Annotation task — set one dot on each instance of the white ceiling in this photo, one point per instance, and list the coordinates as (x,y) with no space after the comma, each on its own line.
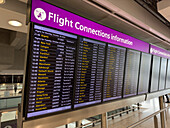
(164,8)
(25,1)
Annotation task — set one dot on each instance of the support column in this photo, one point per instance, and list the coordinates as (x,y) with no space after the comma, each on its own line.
(78,123)
(162,114)
(155,122)
(19,120)
(104,122)
(0,118)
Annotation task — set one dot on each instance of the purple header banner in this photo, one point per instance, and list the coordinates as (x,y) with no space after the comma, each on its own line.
(52,16)
(159,52)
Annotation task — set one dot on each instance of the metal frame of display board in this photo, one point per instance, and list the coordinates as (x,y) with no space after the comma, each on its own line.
(165,73)
(21,106)
(138,70)
(142,54)
(151,74)
(168,64)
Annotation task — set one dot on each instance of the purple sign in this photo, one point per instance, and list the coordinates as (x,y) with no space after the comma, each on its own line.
(159,52)
(52,16)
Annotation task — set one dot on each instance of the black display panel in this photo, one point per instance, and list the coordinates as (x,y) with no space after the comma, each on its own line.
(18,79)
(52,67)
(162,77)
(131,73)
(144,75)
(168,75)
(5,79)
(90,70)
(155,74)
(114,73)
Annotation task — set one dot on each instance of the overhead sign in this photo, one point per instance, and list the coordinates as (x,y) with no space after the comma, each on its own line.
(159,52)
(52,16)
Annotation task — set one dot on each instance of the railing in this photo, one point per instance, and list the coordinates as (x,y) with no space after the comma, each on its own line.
(154,115)
(9,102)
(149,117)
(92,123)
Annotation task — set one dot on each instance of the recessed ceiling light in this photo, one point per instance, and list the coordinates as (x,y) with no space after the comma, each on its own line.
(15,23)
(2,1)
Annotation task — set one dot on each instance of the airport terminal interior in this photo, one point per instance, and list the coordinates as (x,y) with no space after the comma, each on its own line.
(84,63)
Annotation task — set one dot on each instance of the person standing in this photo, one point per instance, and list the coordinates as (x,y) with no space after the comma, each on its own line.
(15,88)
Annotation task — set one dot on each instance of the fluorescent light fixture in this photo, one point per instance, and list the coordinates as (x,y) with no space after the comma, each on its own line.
(15,23)
(2,1)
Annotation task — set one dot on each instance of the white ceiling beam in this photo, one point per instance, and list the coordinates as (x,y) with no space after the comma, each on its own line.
(164,8)
(25,1)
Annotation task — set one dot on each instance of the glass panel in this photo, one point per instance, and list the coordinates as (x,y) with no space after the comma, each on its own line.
(13,102)
(2,103)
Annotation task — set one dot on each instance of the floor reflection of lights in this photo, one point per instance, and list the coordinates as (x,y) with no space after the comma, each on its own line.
(7,116)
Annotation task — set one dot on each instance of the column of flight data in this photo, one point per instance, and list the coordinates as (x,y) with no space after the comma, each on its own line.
(89,72)
(52,71)
(114,72)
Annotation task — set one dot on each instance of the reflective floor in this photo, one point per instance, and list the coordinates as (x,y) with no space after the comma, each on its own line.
(8,90)
(7,116)
(147,108)
(9,93)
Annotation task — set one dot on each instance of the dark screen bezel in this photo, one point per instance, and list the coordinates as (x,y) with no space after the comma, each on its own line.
(27,77)
(151,91)
(140,74)
(137,73)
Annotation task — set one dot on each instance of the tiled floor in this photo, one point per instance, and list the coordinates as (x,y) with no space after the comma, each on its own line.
(147,108)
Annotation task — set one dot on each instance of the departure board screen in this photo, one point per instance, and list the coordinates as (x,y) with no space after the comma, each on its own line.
(162,77)
(91,55)
(168,75)
(131,73)
(18,79)
(114,73)
(144,73)
(5,79)
(155,74)
(52,67)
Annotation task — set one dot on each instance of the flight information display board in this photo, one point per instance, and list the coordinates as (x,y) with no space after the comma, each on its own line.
(162,77)
(131,73)
(5,79)
(168,75)
(144,75)
(18,79)
(114,73)
(52,67)
(91,55)
(155,74)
